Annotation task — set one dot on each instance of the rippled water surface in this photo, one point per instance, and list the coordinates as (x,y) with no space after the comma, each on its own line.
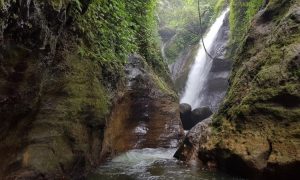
(152,164)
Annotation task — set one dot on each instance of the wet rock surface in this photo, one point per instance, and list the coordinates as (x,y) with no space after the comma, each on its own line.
(255,134)
(190,118)
(39,139)
(200,114)
(198,135)
(54,103)
(185,115)
(144,117)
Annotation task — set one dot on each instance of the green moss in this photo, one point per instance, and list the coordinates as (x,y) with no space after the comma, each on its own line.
(44,159)
(59,4)
(163,86)
(4,4)
(220,5)
(182,17)
(240,112)
(85,89)
(265,81)
(241,15)
(270,75)
(1,4)
(279,113)
(114,29)
(74,102)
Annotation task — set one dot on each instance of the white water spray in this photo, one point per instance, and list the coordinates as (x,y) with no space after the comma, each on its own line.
(201,67)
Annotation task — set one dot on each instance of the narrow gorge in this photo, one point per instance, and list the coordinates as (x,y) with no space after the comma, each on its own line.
(135,89)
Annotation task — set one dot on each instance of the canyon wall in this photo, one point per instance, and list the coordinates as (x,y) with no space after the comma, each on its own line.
(255,133)
(62,73)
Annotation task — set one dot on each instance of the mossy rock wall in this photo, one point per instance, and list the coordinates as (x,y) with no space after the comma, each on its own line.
(61,65)
(241,15)
(256,131)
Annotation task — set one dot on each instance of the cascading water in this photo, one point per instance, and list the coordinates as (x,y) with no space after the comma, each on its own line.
(201,67)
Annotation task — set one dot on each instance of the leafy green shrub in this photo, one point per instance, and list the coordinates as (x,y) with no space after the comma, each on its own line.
(182,16)
(112,30)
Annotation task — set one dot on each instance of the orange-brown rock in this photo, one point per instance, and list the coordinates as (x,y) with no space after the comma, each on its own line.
(145,116)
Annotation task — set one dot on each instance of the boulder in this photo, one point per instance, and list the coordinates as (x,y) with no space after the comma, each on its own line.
(185,116)
(185,108)
(189,148)
(200,114)
(185,113)
(190,118)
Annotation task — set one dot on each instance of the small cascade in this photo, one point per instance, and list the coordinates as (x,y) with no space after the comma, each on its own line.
(202,65)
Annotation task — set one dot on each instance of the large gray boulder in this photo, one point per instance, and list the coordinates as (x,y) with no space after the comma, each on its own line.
(200,114)
(185,115)
(198,135)
(190,118)
(185,110)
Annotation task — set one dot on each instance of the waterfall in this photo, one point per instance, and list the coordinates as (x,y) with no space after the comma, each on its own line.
(202,65)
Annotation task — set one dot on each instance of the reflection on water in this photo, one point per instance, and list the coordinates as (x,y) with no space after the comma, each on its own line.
(151,164)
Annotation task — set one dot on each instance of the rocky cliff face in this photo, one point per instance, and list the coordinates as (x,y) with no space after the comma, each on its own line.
(56,96)
(180,69)
(256,132)
(146,114)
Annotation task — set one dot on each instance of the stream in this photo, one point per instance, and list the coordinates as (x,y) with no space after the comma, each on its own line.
(151,164)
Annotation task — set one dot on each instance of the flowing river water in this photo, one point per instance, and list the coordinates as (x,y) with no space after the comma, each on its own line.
(151,164)
(159,163)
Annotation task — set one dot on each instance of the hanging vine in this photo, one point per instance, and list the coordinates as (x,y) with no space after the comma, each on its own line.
(201,33)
